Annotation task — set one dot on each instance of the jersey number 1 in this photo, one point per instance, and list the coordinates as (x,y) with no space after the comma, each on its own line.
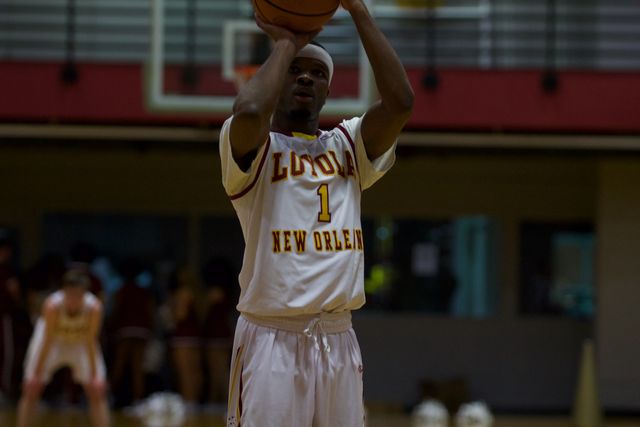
(324,215)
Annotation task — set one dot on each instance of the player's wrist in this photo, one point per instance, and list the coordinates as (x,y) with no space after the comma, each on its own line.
(354,6)
(34,380)
(286,45)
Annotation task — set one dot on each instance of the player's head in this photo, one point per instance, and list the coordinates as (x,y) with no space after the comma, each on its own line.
(307,84)
(74,285)
(315,50)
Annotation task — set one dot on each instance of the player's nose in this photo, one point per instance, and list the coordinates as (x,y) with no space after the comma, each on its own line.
(304,79)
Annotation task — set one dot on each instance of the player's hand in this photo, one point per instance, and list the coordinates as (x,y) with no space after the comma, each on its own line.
(96,387)
(32,386)
(276,32)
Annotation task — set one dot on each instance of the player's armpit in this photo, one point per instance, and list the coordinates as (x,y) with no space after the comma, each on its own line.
(380,129)
(246,135)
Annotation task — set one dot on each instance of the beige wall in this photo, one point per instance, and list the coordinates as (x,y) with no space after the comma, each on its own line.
(618,322)
(41,180)
(511,361)
(113,181)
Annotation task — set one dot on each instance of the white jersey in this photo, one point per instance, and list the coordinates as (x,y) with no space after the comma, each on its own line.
(68,345)
(72,329)
(299,209)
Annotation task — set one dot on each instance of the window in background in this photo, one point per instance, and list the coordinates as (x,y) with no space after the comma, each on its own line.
(119,235)
(221,236)
(159,243)
(557,269)
(446,266)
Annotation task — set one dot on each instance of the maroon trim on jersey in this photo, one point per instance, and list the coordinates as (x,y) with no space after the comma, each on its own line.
(262,160)
(353,146)
(240,396)
(353,149)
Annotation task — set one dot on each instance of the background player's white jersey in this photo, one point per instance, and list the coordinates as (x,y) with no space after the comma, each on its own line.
(299,209)
(72,329)
(68,346)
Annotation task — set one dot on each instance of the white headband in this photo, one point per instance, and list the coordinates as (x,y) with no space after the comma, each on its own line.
(316,52)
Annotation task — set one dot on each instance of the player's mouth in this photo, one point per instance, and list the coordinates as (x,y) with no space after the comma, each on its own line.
(303,96)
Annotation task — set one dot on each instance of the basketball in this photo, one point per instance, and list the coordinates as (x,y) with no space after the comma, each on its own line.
(301,16)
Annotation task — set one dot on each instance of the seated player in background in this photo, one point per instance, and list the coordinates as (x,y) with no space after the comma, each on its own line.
(66,334)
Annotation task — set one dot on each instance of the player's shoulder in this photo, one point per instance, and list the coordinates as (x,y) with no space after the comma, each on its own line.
(54,299)
(347,127)
(92,302)
(52,304)
(345,131)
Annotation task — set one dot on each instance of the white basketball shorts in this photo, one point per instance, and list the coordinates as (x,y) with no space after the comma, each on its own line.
(295,372)
(61,354)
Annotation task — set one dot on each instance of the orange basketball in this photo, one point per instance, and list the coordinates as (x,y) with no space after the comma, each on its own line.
(301,16)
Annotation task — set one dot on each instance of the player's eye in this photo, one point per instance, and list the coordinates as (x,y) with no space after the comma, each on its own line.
(294,69)
(319,73)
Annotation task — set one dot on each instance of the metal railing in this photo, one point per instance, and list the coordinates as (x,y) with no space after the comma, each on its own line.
(587,34)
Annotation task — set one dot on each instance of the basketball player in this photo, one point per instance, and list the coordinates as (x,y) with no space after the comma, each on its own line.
(67,335)
(296,190)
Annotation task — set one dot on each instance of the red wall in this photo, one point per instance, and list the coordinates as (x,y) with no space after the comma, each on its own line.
(465,100)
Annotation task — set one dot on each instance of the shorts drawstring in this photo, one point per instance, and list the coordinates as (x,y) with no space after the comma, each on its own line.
(315,329)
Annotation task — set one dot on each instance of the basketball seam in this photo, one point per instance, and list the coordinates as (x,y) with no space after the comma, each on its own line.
(309,15)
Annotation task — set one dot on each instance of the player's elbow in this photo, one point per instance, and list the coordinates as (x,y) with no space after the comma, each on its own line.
(404,102)
(245,108)
(400,105)
(248,111)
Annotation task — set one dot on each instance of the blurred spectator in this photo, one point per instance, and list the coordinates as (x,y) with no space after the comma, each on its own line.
(185,337)
(9,300)
(131,322)
(41,279)
(221,286)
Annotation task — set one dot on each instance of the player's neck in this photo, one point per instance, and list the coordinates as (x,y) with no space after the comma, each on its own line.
(73,313)
(288,125)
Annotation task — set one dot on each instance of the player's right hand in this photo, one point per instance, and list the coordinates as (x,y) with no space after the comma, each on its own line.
(276,32)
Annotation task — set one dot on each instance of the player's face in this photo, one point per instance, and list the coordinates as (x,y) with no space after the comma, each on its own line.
(73,298)
(306,88)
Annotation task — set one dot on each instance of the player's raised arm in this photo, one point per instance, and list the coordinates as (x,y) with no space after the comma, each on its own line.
(257,99)
(385,119)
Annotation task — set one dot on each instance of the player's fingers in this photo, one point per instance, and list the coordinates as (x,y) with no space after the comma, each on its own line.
(302,39)
(259,20)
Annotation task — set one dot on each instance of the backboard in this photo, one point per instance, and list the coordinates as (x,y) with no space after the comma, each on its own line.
(199,48)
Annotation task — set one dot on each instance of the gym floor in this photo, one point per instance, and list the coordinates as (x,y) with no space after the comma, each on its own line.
(77,418)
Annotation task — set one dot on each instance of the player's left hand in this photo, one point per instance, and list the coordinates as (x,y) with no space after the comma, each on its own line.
(277,33)
(96,387)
